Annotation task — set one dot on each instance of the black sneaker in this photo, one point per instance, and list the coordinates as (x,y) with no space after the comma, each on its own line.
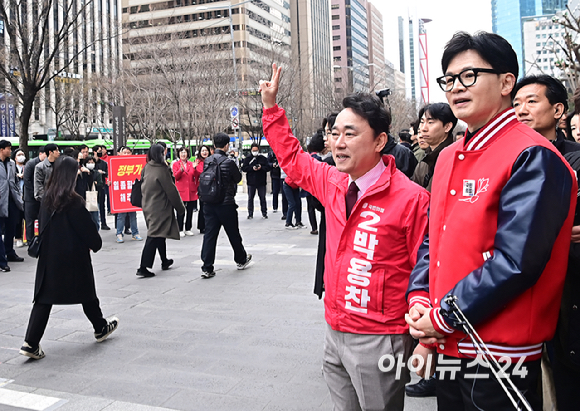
(265,216)
(424,388)
(244,265)
(250,217)
(300,225)
(207,274)
(128,232)
(167,264)
(290,226)
(105,227)
(283,217)
(34,353)
(144,272)
(14,258)
(4,268)
(112,324)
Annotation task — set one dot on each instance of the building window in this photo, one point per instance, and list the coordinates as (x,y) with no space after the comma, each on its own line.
(338,58)
(335,6)
(338,79)
(336,48)
(337,27)
(334,38)
(335,17)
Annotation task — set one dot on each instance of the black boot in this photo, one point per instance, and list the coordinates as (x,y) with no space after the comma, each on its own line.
(424,388)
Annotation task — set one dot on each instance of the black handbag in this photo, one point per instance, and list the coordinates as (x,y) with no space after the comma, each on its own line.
(34,247)
(136,196)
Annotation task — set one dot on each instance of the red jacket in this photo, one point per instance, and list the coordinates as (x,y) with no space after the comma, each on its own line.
(186,180)
(499,235)
(369,257)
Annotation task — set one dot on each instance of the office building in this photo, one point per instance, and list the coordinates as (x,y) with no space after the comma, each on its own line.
(312,57)
(414,56)
(507,20)
(376,41)
(350,45)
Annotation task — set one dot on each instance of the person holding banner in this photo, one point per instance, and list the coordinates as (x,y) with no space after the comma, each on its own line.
(159,200)
(121,217)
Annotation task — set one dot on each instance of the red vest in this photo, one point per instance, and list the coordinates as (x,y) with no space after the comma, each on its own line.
(463,222)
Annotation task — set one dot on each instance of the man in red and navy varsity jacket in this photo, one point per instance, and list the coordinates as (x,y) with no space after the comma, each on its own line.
(376,219)
(501,214)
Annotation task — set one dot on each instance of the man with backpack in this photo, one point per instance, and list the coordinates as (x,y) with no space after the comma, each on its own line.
(217,189)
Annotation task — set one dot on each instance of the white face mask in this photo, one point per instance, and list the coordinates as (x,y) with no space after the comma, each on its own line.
(90,166)
(20,159)
(255,153)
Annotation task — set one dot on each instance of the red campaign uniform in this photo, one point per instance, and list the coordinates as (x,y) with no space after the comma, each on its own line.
(370,256)
(186,180)
(485,232)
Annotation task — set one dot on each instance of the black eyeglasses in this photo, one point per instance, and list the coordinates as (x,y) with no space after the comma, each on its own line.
(467,77)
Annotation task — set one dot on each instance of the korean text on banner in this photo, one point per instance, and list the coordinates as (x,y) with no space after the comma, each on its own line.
(123,170)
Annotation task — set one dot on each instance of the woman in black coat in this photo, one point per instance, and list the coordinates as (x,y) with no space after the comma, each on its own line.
(68,234)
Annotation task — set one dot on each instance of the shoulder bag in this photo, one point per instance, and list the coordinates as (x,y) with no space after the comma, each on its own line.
(34,247)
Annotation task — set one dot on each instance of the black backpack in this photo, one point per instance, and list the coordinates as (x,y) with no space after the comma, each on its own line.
(211,187)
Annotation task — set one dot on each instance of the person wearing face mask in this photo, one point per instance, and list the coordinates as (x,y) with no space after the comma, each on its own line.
(20,160)
(102,168)
(256,168)
(31,205)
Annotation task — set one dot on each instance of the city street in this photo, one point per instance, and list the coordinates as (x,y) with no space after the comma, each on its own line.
(243,340)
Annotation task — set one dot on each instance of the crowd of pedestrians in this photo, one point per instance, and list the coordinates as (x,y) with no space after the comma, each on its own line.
(449,246)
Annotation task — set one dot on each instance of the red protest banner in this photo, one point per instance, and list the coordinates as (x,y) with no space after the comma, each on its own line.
(123,171)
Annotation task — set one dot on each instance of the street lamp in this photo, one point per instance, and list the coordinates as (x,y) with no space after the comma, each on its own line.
(229,6)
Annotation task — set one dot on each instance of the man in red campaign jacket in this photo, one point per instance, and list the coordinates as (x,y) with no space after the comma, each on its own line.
(376,219)
(501,214)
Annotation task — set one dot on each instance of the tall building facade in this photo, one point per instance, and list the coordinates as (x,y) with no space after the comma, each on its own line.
(88,56)
(542,46)
(241,36)
(507,20)
(350,45)
(376,41)
(312,57)
(413,52)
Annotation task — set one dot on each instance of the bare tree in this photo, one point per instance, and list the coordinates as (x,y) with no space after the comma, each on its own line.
(38,49)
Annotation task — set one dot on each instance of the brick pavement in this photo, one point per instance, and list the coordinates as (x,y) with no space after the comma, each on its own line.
(243,340)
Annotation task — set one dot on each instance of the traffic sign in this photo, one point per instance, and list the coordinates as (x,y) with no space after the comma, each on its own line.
(234,112)
(235,122)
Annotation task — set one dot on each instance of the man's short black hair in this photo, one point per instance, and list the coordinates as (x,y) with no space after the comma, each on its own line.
(50,147)
(329,120)
(317,141)
(441,112)
(42,149)
(220,140)
(4,144)
(492,47)
(82,147)
(369,107)
(404,135)
(254,145)
(555,90)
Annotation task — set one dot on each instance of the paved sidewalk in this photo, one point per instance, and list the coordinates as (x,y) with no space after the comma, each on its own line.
(243,340)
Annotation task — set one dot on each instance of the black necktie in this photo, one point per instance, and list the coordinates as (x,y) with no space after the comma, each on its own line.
(351,197)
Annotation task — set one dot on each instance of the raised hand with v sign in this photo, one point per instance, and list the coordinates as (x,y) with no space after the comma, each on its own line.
(269,89)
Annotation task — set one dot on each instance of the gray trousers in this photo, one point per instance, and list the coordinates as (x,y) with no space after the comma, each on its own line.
(351,370)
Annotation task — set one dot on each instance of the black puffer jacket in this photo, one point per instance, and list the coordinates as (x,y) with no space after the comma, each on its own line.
(256,177)
(404,158)
(230,175)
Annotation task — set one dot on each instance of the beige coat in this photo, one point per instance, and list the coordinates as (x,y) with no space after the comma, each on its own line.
(160,198)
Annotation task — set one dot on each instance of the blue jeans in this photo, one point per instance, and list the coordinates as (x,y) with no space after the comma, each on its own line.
(132,220)
(95,216)
(294,204)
